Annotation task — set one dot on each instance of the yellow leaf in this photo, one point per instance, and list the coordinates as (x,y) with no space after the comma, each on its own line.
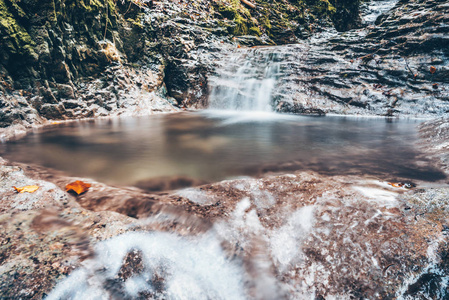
(78,187)
(26,189)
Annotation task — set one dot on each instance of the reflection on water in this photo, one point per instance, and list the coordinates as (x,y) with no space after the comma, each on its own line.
(211,146)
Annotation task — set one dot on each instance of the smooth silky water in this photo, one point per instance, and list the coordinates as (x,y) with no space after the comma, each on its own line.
(217,145)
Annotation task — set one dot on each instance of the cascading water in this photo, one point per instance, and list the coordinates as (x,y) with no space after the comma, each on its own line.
(246,81)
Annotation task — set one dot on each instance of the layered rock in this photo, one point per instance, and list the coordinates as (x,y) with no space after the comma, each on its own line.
(394,67)
(86,58)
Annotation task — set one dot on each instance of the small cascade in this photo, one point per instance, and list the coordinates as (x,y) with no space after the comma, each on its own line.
(371,10)
(246,80)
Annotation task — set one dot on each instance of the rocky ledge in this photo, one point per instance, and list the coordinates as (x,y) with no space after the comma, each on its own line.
(397,66)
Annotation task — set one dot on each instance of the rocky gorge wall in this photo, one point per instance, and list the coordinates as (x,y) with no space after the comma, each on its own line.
(396,64)
(85,58)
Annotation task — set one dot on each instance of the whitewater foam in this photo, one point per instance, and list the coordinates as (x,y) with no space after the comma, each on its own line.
(190,268)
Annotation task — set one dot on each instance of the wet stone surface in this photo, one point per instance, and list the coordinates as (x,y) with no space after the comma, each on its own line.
(299,232)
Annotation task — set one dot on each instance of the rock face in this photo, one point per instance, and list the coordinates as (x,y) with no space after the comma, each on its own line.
(80,59)
(389,68)
(395,67)
(86,58)
(74,59)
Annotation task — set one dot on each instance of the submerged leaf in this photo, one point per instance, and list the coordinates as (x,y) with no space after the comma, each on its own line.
(433,69)
(78,187)
(26,189)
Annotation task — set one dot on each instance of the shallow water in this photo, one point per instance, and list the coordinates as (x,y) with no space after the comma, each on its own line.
(211,146)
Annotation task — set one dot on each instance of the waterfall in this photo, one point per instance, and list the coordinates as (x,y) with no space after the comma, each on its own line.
(246,80)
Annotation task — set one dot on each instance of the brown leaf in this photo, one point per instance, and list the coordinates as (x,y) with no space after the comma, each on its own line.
(78,187)
(433,69)
(26,189)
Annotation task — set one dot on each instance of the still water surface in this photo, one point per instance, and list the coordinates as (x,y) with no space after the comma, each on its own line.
(212,146)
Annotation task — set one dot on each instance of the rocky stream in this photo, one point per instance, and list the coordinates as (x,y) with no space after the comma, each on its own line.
(234,149)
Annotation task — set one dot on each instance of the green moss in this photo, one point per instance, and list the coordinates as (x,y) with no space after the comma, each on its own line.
(266,22)
(322,8)
(91,5)
(254,31)
(136,22)
(241,16)
(16,9)
(240,28)
(16,38)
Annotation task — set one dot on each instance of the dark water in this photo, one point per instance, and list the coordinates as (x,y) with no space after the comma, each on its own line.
(214,146)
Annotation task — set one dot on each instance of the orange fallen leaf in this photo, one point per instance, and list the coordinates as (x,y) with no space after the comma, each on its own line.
(396,184)
(433,69)
(26,189)
(238,46)
(78,187)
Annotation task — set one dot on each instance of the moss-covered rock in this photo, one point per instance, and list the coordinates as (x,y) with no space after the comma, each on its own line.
(15,38)
(293,17)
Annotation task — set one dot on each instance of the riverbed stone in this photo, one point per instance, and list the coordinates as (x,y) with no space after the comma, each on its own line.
(386,241)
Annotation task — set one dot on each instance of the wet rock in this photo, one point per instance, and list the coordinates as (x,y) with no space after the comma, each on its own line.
(295,108)
(168,183)
(347,232)
(251,41)
(52,111)
(65,91)
(382,70)
(347,14)
(81,43)
(176,81)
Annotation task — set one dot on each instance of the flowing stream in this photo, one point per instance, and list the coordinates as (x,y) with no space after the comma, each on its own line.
(241,136)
